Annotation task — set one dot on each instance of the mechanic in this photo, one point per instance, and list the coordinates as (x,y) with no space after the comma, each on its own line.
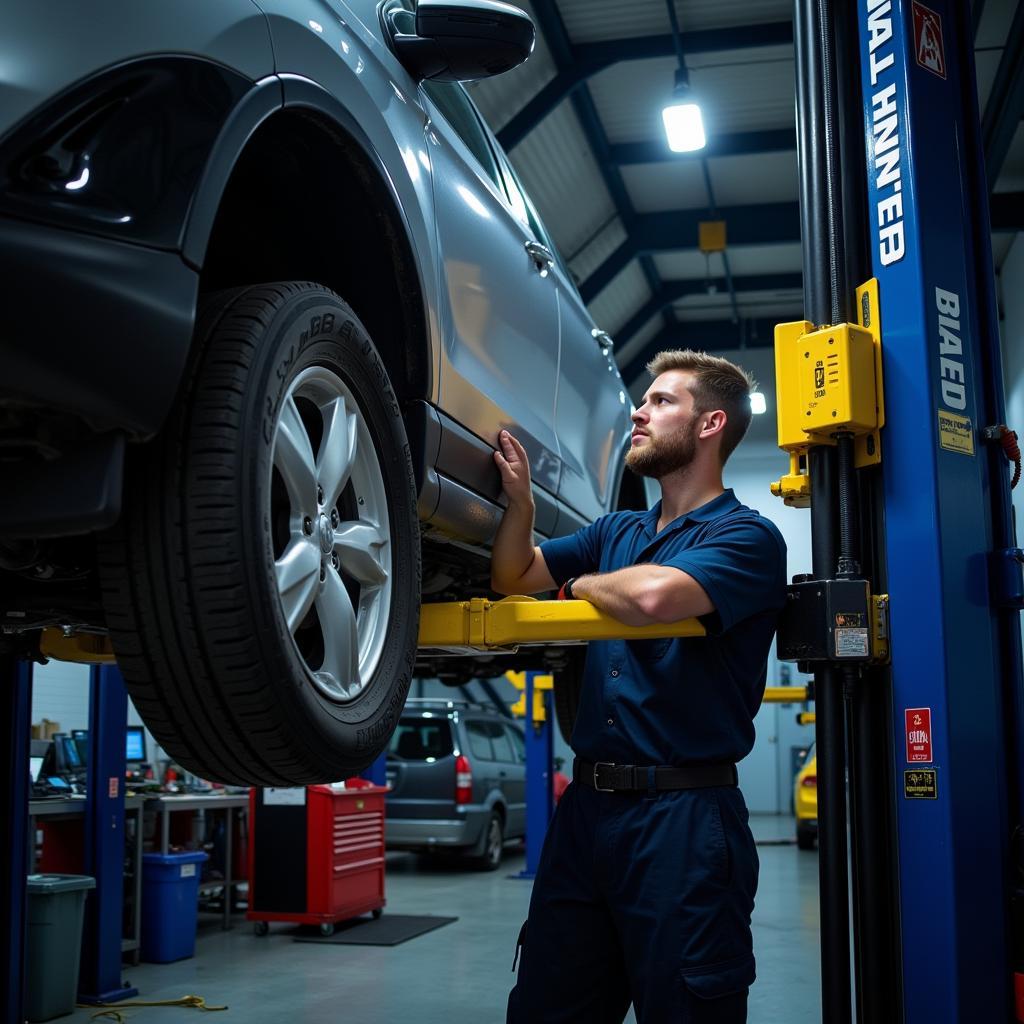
(646,883)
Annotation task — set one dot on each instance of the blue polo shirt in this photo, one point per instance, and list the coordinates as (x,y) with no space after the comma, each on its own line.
(680,700)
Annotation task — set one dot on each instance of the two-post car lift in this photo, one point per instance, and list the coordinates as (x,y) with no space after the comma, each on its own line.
(920,761)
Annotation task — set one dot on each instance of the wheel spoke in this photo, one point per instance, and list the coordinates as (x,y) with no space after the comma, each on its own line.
(341,638)
(293,457)
(337,450)
(298,576)
(360,549)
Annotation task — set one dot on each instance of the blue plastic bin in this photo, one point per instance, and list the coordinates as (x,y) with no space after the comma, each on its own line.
(170,905)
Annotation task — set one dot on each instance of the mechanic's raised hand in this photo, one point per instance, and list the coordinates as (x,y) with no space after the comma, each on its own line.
(514,467)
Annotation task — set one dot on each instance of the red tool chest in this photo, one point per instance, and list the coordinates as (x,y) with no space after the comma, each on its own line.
(316,854)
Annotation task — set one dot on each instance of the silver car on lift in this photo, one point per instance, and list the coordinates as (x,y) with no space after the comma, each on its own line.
(271,290)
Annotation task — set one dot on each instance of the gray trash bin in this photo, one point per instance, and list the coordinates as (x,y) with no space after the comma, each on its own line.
(56,907)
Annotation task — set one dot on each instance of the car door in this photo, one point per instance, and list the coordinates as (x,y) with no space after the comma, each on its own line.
(501,325)
(592,415)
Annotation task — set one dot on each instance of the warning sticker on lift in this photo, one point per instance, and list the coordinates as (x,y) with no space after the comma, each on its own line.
(930,52)
(918,723)
(852,643)
(956,433)
(921,784)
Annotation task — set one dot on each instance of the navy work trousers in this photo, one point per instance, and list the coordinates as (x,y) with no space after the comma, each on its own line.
(642,899)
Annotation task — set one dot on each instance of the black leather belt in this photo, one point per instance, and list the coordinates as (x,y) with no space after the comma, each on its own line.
(632,778)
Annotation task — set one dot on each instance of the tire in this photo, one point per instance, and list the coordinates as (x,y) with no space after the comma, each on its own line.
(260,928)
(225,559)
(493,845)
(805,835)
(327,929)
(568,689)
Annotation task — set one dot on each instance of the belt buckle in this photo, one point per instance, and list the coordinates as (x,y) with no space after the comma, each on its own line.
(605,764)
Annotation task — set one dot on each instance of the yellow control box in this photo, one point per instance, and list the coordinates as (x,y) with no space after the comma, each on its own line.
(821,380)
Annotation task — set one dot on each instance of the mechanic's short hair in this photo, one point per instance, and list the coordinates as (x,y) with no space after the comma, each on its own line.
(717,384)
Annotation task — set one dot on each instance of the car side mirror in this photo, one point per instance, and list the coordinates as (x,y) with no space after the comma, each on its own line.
(462,40)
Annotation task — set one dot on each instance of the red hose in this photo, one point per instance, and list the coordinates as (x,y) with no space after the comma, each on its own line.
(1008,439)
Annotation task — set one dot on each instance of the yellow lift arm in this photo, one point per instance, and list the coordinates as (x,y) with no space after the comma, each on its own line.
(463,627)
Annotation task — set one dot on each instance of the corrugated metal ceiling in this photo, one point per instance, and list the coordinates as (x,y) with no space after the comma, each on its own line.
(744,89)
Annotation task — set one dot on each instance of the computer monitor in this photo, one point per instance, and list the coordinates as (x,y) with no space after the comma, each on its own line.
(135,743)
(81,738)
(69,750)
(34,764)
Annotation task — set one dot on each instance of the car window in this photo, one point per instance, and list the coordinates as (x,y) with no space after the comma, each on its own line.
(421,739)
(479,736)
(524,209)
(518,743)
(453,103)
(502,744)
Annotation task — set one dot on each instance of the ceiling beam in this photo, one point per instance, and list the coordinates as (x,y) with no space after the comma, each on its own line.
(977,9)
(1005,102)
(735,144)
(674,291)
(1006,210)
(578,63)
(762,224)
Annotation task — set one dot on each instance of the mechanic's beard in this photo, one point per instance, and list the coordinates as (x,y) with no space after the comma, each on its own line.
(661,456)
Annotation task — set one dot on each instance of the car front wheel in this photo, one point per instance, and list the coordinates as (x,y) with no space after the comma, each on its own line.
(262,586)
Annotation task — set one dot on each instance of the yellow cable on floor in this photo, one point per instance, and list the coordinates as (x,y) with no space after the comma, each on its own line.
(112,1010)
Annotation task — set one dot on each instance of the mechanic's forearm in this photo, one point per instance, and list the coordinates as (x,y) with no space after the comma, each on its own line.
(512,552)
(623,594)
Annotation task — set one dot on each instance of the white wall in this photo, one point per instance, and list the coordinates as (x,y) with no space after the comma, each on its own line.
(60,692)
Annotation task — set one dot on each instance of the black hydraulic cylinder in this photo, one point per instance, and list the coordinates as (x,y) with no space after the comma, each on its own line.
(833,879)
(824,271)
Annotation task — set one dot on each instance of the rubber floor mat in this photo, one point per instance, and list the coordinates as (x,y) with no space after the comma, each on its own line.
(387,930)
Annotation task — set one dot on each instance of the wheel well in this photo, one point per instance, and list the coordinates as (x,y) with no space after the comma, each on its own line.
(305,203)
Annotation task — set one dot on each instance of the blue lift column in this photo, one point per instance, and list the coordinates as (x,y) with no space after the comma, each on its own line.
(100,973)
(956,677)
(540,801)
(15,718)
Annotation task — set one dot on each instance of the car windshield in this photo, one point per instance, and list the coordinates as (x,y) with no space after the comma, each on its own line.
(421,739)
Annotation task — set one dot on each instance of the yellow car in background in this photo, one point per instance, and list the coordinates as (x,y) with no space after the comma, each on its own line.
(805,801)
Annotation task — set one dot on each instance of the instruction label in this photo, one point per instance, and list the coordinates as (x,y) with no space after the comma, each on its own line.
(280,796)
(921,784)
(956,433)
(919,734)
(852,643)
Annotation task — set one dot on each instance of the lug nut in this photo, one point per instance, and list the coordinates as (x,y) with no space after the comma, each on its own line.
(320,495)
(323,573)
(307,526)
(334,561)
(334,518)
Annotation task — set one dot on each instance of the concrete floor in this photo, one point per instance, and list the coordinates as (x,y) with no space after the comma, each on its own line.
(461,973)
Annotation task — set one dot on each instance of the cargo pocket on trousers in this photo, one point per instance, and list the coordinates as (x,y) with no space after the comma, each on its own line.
(717,993)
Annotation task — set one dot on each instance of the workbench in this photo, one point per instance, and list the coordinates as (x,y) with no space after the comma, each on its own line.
(200,804)
(74,807)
